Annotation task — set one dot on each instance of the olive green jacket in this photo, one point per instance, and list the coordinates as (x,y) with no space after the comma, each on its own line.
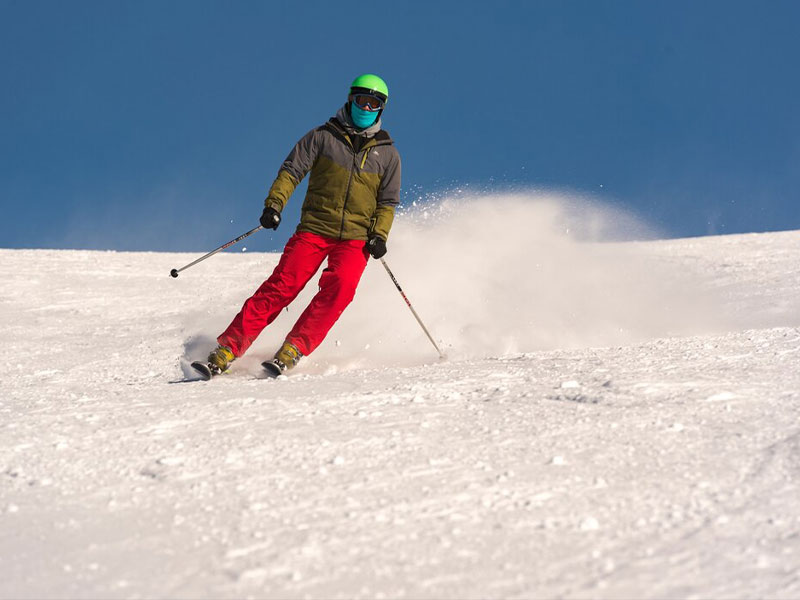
(351,194)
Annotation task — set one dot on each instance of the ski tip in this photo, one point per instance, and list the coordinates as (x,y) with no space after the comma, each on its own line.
(271,369)
(203,370)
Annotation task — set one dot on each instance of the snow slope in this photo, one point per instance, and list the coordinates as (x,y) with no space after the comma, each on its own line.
(615,420)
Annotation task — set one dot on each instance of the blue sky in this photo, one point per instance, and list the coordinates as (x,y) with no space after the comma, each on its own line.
(161,125)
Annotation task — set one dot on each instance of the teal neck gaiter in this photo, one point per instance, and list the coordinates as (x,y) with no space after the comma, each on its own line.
(362,118)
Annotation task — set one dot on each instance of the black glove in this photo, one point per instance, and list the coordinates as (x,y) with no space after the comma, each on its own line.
(376,246)
(270,218)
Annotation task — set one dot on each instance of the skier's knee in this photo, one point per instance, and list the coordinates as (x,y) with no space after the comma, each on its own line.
(335,282)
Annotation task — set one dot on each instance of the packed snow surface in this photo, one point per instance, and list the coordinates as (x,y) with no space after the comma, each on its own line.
(615,419)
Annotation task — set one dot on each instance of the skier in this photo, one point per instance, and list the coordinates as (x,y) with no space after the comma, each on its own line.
(346,217)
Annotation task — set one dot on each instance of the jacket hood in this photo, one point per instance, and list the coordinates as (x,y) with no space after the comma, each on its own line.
(343,116)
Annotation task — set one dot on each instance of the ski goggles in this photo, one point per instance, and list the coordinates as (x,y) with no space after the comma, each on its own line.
(367,102)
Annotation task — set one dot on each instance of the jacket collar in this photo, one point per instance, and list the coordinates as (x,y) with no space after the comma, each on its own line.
(343,117)
(381,138)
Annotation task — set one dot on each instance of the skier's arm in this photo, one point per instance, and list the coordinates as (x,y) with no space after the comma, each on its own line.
(292,171)
(388,198)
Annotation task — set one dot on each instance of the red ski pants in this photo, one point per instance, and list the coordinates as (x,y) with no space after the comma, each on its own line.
(301,258)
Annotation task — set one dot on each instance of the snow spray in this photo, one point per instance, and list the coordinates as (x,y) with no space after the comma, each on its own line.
(498,274)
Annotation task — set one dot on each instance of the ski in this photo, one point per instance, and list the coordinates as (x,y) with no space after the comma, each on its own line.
(204,369)
(272,368)
(207,371)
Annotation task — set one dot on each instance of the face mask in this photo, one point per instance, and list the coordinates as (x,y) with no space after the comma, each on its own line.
(362,118)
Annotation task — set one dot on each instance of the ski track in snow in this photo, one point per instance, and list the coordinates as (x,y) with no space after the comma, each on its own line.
(656,455)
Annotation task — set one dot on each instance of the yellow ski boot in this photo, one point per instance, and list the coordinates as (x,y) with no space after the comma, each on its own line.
(217,363)
(285,358)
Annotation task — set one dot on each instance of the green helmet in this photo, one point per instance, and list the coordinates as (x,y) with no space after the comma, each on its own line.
(370,84)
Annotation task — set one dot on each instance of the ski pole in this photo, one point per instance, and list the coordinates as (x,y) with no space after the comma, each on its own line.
(175,272)
(416,316)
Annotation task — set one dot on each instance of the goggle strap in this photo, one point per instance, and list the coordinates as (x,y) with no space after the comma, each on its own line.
(368,92)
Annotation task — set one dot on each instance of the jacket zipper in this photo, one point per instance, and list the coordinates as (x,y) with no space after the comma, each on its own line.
(350,181)
(347,193)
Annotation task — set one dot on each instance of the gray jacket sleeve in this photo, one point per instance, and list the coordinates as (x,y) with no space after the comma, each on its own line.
(292,171)
(302,156)
(388,197)
(389,192)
